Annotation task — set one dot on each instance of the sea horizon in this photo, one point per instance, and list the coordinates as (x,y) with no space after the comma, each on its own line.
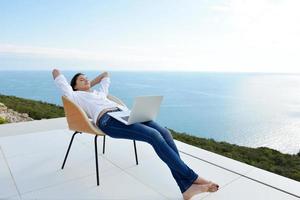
(164,70)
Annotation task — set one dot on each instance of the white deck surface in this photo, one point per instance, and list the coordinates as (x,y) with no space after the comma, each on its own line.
(31,155)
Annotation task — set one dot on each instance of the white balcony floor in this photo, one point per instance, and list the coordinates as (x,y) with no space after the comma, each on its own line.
(31,155)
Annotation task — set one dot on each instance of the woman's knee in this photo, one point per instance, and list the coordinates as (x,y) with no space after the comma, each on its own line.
(156,137)
(166,134)
(163,130)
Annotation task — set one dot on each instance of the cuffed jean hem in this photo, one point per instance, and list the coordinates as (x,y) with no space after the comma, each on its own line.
(185,187)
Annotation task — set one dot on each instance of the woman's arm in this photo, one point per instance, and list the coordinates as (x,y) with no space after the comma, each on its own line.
(99,78)
(62,83)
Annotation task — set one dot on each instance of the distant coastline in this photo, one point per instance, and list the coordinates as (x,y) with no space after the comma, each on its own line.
(265,158)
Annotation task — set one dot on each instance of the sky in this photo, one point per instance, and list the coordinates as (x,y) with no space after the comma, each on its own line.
(169,35)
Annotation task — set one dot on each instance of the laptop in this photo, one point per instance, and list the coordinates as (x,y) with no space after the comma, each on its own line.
(145,108)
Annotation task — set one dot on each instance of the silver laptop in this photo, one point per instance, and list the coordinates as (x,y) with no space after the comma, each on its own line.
(145,108)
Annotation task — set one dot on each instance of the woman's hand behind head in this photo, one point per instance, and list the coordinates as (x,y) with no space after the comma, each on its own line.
(55,73)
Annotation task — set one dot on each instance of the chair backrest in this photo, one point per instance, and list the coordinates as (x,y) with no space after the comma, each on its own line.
(78,120)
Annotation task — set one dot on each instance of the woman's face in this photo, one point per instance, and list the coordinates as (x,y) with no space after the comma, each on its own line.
(82,83)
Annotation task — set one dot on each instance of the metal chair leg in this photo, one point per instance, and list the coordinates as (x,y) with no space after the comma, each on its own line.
(136,158)
(96,153)
(69,149)
(96,158)
(103,151)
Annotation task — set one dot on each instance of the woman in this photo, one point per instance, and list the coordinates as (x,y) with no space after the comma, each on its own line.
(96,105)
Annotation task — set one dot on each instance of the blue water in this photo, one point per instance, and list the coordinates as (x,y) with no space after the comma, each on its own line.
(246,109)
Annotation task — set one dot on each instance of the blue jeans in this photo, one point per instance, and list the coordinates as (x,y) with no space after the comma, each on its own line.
(159,138)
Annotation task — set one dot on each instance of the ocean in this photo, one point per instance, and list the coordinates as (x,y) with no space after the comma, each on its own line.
(249,109)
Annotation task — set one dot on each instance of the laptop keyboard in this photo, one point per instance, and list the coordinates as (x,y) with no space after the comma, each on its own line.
(125,118)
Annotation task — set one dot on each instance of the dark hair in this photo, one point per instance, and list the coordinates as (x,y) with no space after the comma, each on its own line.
(74,79)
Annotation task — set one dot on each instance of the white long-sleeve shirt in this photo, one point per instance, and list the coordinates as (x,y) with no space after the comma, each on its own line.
(91,102)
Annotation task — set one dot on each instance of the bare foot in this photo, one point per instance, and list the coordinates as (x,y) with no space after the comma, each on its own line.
(195,189)
(213,187)
(202,181)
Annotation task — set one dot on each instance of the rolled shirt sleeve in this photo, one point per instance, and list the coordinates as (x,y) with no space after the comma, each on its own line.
(63,85)
(104,85)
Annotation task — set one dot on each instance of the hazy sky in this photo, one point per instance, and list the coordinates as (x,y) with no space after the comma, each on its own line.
(200,35)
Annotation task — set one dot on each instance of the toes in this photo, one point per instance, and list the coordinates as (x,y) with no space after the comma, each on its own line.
(213,187)
(214,184)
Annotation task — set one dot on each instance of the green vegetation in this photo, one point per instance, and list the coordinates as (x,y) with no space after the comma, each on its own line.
(3,121)
(35,109)
(265,158)
(268,159)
